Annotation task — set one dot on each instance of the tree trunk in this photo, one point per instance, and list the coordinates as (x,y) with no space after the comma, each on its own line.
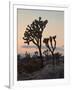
(53,58)
(41,57)
(53,61)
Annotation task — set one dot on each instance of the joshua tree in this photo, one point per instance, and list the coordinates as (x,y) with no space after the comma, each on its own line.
(34,32)
(46,52)
(49,44)
(27,55)
(36,53)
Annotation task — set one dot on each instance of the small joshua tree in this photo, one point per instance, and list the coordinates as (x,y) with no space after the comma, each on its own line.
(45,52)
(51,44)
(34,32)
(36,53)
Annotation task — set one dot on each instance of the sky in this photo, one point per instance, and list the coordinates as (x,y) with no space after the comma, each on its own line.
(55,26)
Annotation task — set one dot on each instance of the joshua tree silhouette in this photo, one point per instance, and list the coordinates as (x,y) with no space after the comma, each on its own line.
(34,32)
(51,44)
(46,52)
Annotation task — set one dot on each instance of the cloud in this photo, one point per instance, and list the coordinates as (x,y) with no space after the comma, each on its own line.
(43,47)
(30,46)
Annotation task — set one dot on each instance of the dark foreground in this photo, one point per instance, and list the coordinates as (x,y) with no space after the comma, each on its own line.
(32,70)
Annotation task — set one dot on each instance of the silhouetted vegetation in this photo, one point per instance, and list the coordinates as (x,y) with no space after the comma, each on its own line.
(51,45)
(34,32)
(28,64)
(40,65)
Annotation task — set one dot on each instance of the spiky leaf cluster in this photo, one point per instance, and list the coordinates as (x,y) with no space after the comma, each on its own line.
(50,43)
(34,31)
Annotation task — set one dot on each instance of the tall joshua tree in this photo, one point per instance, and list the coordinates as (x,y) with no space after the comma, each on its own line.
(51,44)
(34,32)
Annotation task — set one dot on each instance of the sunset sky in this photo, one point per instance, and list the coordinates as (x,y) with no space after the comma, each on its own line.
(55,26)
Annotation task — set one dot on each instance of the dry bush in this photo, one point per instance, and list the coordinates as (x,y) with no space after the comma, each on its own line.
(29,67)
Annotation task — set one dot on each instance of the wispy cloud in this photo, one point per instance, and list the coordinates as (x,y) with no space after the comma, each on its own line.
(43,47)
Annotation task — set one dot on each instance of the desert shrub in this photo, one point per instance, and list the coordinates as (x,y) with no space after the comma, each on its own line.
(32,66)
(19,68)
(29,67)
